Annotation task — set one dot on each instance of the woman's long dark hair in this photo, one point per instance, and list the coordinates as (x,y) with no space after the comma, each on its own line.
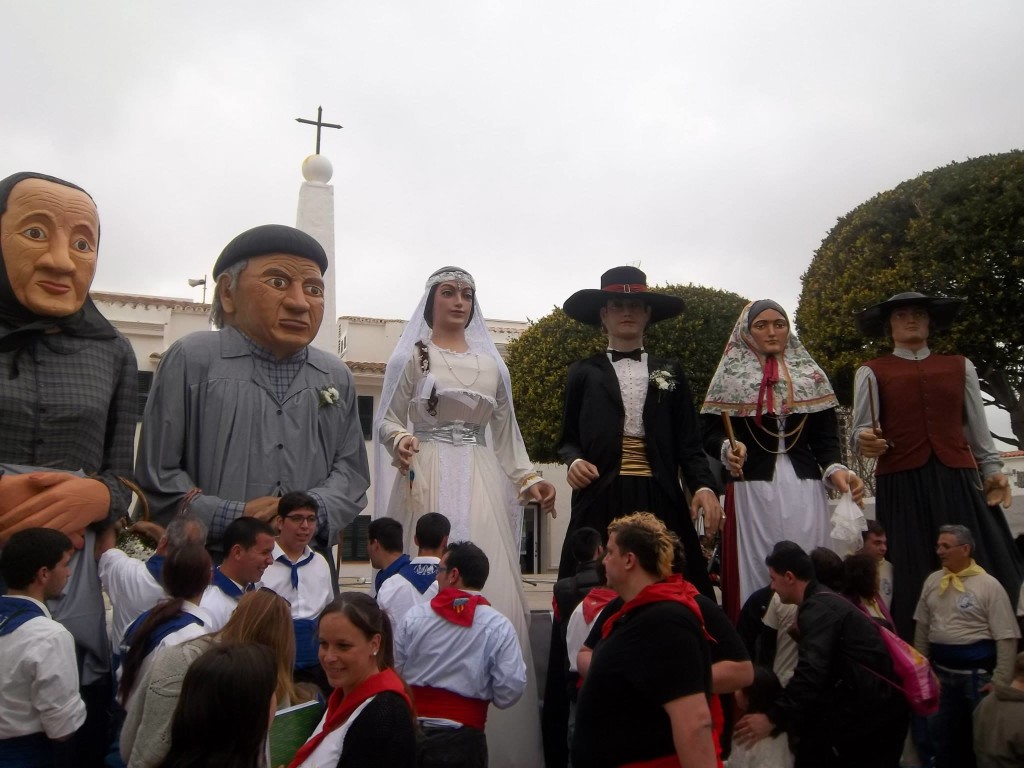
(221,717)
(186,574)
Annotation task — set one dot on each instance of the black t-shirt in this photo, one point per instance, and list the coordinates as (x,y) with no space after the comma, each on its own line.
(655,654)
(727,645)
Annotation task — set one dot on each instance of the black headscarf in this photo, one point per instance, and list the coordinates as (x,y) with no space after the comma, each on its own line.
(19,326)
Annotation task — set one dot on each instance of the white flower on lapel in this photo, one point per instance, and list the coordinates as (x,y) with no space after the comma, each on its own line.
(328,396)
(663,380)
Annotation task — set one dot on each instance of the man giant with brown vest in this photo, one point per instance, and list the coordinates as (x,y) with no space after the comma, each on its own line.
(921,415)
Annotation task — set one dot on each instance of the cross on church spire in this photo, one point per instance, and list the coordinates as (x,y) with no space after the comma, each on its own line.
(319,123)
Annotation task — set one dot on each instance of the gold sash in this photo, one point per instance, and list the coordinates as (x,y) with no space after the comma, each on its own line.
(634,458)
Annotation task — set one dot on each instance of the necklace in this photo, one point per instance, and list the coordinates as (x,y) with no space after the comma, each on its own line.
(782,436)
(451,370)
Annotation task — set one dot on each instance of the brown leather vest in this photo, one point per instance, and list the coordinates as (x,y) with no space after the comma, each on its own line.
(921,411)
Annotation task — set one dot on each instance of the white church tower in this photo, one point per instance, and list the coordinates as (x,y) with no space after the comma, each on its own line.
(316,217)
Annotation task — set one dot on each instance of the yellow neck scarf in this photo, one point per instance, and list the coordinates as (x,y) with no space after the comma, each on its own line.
(948,577)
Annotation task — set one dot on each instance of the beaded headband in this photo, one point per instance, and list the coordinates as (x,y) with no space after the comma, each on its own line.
(451,275)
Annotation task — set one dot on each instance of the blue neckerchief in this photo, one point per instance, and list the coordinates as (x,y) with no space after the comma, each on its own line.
(14,612)
(172,624)
(420,575)
(305,643)
(295,566)
(390,571)
(155,566)
(226,585)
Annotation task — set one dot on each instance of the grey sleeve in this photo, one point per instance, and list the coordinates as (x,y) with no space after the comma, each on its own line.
(161,456)
(343,491)
(976,426)
(865,387)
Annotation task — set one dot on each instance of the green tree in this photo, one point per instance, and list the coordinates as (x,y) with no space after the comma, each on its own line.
(539,359)
(954,231)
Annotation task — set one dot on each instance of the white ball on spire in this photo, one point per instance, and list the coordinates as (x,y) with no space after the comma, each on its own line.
(317,168)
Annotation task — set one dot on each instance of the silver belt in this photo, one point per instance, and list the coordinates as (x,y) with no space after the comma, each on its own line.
(453,432)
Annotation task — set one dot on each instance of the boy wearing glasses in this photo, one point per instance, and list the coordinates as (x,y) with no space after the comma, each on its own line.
(302,577)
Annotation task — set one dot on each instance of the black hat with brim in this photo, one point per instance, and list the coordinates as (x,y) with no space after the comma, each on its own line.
(617,283)
(267,239)
(941,312)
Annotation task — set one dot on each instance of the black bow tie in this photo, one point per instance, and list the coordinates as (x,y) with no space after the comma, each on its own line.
(632,355)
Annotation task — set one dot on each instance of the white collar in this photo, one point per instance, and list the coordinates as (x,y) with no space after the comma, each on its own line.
(419,559)
(910,354)
(46,611)
(278,552)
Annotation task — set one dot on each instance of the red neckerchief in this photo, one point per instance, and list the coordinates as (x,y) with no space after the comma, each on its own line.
(595,601)
(768,382)
(340,707)
(674,589)
(457,606)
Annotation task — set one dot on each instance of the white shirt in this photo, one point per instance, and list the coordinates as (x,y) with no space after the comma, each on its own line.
(315,589)
(177,637)
(328,752)
(981,612)
(781,617)
(885,582)
(131,588)
(634,382)
(219,605)
(482,661)
(39,680)
(397,594)
(576,634)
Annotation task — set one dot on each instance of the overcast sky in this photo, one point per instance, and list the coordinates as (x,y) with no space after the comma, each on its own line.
(534,143)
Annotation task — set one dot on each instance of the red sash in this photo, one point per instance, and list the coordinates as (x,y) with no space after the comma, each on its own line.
(595,602)
(668,761)
(674,589)
(457,606)
(443,704)
(340,707)
(768,381)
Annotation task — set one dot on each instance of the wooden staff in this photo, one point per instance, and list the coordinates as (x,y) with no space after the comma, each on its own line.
(871,405)
(727,423)
(875,426)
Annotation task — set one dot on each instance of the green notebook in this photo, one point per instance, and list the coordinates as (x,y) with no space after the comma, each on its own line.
(291,729)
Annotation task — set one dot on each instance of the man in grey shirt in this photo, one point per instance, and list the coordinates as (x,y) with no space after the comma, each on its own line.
(238,417)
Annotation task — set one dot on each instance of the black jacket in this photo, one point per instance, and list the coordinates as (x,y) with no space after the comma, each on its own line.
(838,687)
(592,427)
(811,452)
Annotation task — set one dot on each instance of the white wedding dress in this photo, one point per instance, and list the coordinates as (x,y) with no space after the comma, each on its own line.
(470,465)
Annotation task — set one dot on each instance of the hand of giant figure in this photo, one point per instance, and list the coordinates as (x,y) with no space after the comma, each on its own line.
(49,235)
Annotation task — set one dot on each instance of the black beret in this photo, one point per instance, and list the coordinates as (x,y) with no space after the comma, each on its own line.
(270,238)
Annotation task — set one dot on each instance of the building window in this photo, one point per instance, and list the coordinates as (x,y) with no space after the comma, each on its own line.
(354,541)
(145,384)
(1018,478)
(365,405)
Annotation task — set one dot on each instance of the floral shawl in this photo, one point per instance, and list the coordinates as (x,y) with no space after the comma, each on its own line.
(802,386)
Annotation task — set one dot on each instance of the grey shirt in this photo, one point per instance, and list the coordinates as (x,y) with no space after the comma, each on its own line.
(214,432)
(72,407)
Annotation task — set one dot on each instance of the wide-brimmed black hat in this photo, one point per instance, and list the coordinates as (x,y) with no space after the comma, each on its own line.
(618,282)
(941,311)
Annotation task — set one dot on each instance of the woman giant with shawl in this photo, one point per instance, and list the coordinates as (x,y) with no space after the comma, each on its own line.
(446,423)
(782,410)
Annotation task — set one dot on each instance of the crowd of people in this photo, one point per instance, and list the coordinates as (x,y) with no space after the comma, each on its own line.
(252,458)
